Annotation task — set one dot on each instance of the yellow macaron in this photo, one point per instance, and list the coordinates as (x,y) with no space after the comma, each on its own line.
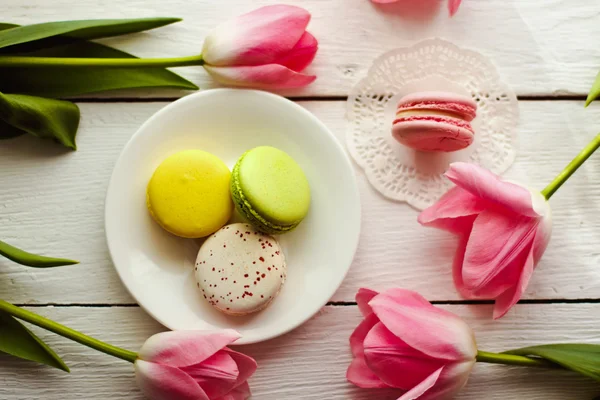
(188,195)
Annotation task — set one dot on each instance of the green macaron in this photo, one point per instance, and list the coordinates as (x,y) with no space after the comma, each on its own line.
(270,190)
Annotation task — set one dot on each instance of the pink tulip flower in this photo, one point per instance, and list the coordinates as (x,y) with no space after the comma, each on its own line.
(266,48)
(193,365)
(452,4)
(504,230)
(404,342)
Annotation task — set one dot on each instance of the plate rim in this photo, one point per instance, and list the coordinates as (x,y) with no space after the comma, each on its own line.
(341,149)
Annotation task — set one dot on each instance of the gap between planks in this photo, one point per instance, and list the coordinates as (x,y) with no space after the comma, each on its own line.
(296,98)
(332,303)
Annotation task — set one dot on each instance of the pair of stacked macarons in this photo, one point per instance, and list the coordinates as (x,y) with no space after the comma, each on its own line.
(240,267)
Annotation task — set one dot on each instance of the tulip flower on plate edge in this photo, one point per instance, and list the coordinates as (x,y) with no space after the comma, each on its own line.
(428,353)
(503,229)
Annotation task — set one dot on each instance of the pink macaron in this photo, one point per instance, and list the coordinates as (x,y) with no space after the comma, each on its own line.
(435,121)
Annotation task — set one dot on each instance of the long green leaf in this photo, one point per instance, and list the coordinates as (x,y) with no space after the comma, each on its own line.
(594,91)
(82,29)
(32,260)
(44,118)
(581,358)
(17,340)
(64,82)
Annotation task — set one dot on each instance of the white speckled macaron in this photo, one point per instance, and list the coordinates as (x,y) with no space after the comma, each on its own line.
(240,270)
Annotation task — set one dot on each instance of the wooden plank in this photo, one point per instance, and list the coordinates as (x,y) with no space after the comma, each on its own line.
(310,362)
(537,53)
(52,202)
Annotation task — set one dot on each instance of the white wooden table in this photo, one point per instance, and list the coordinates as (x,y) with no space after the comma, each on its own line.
(52,202)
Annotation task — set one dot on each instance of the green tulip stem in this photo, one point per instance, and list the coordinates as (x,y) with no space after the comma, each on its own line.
(571,168)
(59,62)
(69,333)
(510,359)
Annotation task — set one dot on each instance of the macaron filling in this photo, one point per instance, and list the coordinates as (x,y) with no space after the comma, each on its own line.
(426,112)
(465,107)
(429,117)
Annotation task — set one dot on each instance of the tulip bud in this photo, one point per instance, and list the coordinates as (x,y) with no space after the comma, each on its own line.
(266,48)
(404,342)
(183,365)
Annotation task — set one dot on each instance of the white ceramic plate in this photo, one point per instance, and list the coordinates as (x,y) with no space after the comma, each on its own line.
(157,267)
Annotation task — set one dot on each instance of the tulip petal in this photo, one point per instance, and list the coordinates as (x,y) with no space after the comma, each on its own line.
(487,186)
(384,1)
(453,6)
(431,330)
(217,375)
(270,76)
(422,388)
(395,362)
(246,365)
(454,212)
(360,333)
(457,266)
(359,374)
(494,254)
(183,348)
(510,297)
(262,36)
(163,382)
(302,54)
(451,380)
(542,235)
(241,392)
(363,297)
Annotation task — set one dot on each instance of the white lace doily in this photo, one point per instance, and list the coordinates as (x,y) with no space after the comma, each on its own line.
(403,174)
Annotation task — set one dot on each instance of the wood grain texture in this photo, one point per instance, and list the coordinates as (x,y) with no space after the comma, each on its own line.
(310,362)
(52,202)
(538,53)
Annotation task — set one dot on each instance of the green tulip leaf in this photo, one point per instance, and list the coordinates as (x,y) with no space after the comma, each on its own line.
(594,91)
(17,340)
(581,358)
(64,82)
(32,260)
(44,118)
(83,29)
